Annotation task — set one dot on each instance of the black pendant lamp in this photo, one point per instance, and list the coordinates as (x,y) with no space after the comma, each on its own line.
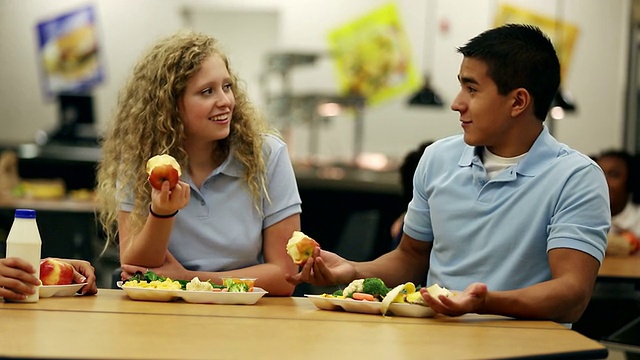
(425,96)
(562,103)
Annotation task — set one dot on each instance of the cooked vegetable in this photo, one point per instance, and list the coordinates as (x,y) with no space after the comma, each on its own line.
(397,294)
(354,286)
(375,287)
(149,276)
(238,287)
(363,296)
(408,293)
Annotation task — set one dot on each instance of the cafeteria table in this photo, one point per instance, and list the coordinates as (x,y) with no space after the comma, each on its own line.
(110,325)
(621,269)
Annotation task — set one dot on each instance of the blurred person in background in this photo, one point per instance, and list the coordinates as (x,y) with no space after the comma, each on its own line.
(621,171)
(613,305)
(407,170)
(236,204)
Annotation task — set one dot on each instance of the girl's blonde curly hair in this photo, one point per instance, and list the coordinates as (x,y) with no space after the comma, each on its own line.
(147,123)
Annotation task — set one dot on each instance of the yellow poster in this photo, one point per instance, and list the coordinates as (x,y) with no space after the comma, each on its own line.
(562,34)
(372,56)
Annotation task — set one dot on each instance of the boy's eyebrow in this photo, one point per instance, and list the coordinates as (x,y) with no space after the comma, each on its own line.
(467,80)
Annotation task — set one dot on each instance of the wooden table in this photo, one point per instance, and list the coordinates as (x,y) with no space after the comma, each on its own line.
(621,269)
(110,325)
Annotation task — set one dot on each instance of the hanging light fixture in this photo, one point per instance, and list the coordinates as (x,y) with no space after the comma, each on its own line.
(563,101)
(426,95)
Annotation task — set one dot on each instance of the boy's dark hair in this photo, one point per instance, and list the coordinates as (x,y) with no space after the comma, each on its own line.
(519,56)
(408,169)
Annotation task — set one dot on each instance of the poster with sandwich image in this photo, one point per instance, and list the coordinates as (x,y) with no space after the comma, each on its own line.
(68,50)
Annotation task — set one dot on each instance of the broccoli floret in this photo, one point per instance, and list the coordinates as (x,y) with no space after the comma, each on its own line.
(337,292)
(239,287)
(227,282)
(375,287)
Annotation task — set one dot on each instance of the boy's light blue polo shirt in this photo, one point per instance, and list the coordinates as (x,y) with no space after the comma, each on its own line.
(220,229)
(498,231)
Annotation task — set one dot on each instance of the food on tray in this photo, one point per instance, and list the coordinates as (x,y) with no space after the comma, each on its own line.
(375,290)
(397,294)
(152,280)
(374,287)
(238,284)
(196,285)
(161,168)
(55,272)
(408,293)
(166,284)
(300,247)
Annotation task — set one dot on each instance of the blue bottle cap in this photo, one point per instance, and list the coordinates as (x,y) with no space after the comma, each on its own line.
(25,213)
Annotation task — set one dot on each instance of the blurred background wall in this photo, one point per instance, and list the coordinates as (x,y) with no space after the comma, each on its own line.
(597,76)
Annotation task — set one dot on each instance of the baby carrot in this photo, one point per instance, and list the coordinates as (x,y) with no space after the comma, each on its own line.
(362,296)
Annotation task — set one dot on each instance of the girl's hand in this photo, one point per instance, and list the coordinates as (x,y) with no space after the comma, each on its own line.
(171,269)
(167,201)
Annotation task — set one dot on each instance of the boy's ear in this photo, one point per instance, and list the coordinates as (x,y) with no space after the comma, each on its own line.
(521,100)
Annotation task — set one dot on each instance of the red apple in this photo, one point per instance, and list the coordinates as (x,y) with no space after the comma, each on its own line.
(163,168)
(55,272)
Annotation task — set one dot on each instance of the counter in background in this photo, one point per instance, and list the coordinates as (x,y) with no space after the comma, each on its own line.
(348,209)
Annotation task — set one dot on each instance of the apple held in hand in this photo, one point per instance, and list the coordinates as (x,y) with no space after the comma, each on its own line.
(163,168)
(300,247)
(55,272)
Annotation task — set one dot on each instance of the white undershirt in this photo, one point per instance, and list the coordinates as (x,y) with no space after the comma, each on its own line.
(494,163)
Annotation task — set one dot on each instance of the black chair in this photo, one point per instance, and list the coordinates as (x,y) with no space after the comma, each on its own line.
(115,277)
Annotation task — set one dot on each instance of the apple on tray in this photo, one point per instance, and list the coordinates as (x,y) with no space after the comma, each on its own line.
(161,168)
(55,272)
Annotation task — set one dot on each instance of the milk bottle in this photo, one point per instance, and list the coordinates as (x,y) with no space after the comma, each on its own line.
(24,242)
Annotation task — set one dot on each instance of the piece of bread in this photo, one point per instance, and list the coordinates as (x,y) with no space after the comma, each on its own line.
(300,247)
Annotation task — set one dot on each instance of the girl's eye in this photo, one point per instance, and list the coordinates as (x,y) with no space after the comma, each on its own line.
(227,87)
(207,91)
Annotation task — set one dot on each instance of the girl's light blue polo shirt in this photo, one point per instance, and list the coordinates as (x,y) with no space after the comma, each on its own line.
(498,231)
(220,229)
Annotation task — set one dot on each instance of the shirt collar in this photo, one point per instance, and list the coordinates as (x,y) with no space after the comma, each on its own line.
(231,166)
(543,150)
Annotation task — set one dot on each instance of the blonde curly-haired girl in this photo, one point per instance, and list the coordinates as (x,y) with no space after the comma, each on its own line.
(236,203)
